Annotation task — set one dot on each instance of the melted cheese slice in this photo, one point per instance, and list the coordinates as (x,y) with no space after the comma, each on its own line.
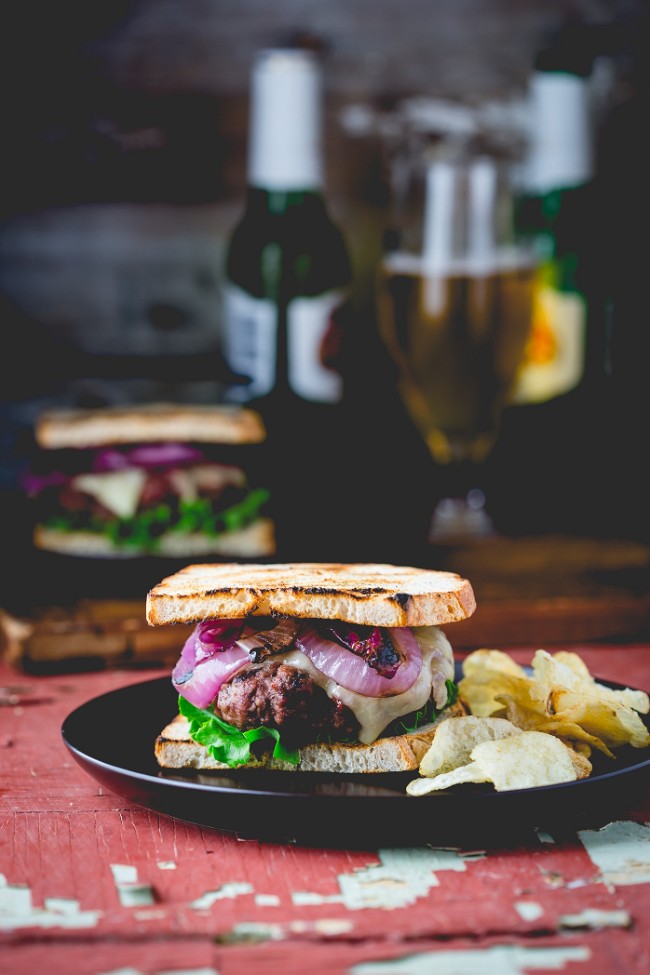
(188,481)
(119,491)
(374,713)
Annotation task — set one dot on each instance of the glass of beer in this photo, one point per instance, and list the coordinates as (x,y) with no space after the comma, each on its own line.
(454,311)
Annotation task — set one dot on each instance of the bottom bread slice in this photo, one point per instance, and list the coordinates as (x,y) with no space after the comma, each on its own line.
(401,753)
(253,541)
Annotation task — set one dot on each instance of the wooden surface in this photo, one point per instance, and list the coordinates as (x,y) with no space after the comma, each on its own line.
(93,884)
(541,591)
(549,589)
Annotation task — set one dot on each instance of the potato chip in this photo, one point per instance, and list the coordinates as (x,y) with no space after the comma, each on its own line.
(482,660)
(479,690)
(562,714)
(606,717)
(638,700)
(568,671)
(525,761)
(580,762)
(520,761)
(613,723)
(574,663)
(455,739)
(466,773)
(531,719)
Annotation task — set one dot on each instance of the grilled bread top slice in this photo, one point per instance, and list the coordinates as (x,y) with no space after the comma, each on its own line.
(148,423)
(362,593)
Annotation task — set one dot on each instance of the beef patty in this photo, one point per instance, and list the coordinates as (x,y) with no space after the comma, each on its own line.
(276,695)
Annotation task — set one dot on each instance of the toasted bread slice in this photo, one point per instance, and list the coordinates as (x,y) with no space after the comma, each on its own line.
(402,753)
(149,423)
(252,542)
(377,595)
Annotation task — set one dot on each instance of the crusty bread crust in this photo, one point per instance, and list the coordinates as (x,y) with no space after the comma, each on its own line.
(402,753)
(254,541)
(149,423)
(372,594)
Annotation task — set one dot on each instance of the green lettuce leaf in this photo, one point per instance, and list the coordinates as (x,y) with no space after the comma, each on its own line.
(200,516)
(226,743)
(143,530)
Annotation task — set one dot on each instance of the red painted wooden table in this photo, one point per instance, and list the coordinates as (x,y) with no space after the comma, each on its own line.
(91,883)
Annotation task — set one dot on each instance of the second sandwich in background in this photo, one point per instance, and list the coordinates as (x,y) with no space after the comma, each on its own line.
(158,479)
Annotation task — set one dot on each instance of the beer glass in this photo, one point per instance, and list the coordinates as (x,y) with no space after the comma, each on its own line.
(454,311)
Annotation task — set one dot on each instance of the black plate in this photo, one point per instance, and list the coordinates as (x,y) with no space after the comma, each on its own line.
(351,811)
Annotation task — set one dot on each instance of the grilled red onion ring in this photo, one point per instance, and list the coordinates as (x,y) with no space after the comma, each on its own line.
(218,649)
(146,455)
(351,670)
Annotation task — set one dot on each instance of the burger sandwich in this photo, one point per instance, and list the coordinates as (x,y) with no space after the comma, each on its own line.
(156,479)
(309,666)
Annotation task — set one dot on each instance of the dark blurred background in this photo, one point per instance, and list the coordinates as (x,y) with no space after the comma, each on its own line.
(125,132)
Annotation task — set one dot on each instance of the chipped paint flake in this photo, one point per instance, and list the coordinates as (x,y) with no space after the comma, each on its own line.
(61,905)
(332,927)
(498,960)
(136,895)
(306,898)
(267,900)
(156,914)
(18,911)
(252,932)
(544,837)
(228,891)
(14,898)
(596,920)
(399,880)
(621,851)
(529,910)
(130,891)
(124,873)
(166,865)
(576,884)
(401,877)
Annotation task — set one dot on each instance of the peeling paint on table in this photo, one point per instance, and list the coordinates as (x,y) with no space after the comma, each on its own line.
(620,851)
(95,885)
(17,910)
(507,960)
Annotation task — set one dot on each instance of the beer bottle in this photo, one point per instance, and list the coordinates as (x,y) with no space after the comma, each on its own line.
(286,283)
(548,430)
(553,209)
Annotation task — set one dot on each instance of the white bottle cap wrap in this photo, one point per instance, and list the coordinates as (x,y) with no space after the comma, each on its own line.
(285,123)
(560,151)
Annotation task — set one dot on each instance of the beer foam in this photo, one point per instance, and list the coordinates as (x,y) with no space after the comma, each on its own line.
(504,259)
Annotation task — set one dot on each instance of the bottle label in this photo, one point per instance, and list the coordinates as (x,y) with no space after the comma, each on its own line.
(313,344)
(249,342)
(553,361)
